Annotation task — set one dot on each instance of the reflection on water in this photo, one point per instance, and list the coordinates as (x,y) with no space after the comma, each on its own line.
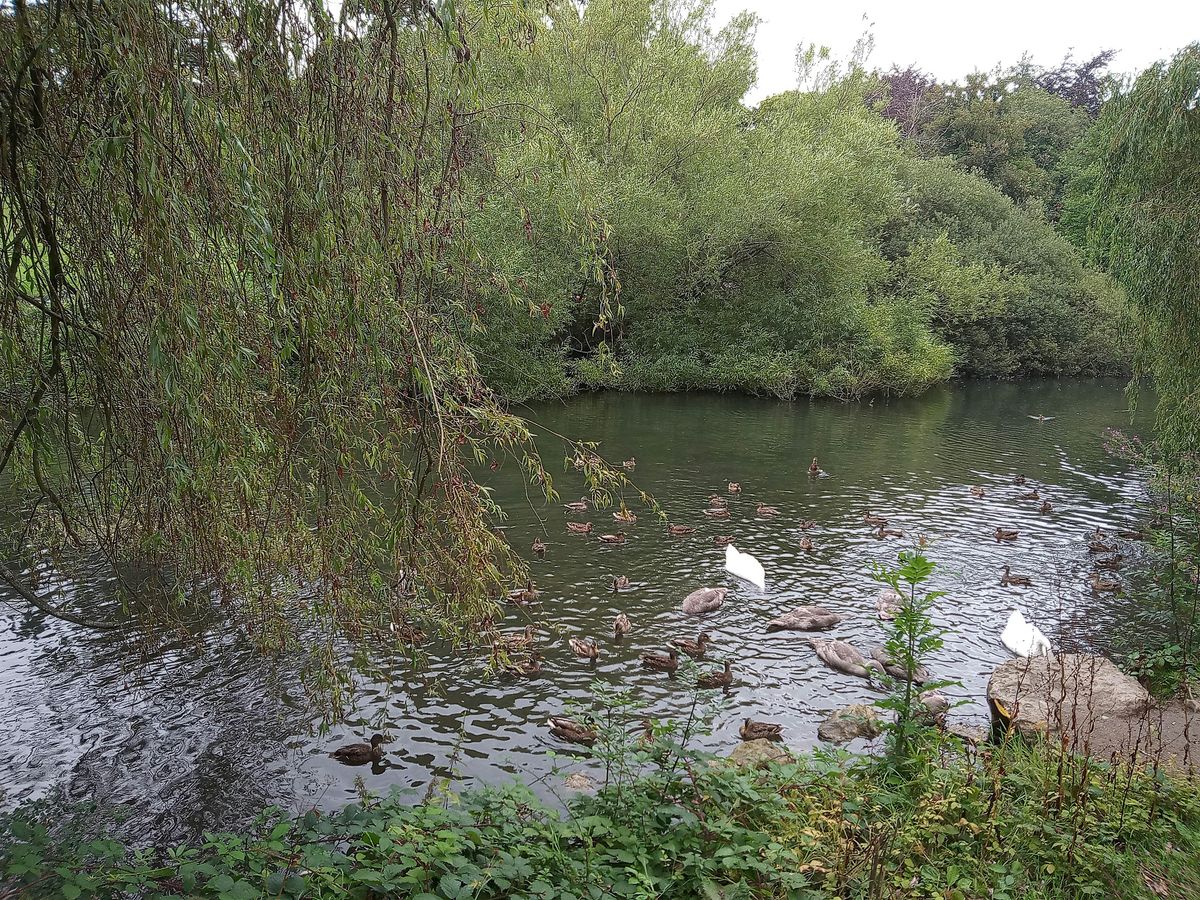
(203,737)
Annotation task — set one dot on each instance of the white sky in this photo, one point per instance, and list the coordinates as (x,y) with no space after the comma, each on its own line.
(950,39)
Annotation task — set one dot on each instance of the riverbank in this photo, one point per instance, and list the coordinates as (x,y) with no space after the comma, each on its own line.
(1010,821)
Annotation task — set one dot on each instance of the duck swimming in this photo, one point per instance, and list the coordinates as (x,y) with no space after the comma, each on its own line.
(805,618)
(1101,584)
(514,640)
(539,547)
(584,649)
(717,502)
(978,492)
(1029,495)
(618,538)
(882,532)
(680,530)
(695,649)
(580,505)
(767,512)
(1046,507)
(621,625)
(719,512)
(806,544)
(620,583)
(735,487)
(722,540)
(703,600)
(869,519)
(630,463)
(813,468)
(571,731)
(722,679)
(362,752)
(625,516)
(1010,580)
(579,527)
(760,731)
(1006,534)
(524,596)
(661,662)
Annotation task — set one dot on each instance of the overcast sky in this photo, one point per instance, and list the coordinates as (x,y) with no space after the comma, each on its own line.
(951,39)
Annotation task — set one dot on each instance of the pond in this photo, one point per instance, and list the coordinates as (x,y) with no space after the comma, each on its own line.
(200,739)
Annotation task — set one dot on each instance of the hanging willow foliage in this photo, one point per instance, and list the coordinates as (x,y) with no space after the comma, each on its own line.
(236,279)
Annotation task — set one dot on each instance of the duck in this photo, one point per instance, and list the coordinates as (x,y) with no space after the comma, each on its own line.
(620,583)
(934,706)
(844,657)
(1030,495)
(1131,534)
(585,649)
(618,538)
(1010,580)
(719,512)
(1101,547)
(869,519)
(722,540)
(1022,637)
(722,679)
(704,600)
(978,492)
(580,505)
(889,603)
(883,532)
(1100,584)
(361,752)
(1018,479)
(625,516)
(919,675)
(695,649)
(630,463)
(518,640)
(680,530)
(1006,534)
(571,731)
(745,566)
(621,625)
(409,633)
(1046,507)
(807,524)
(524,596)
(716,501)
(539,547)
(807,545)
(761,509)
(813,468)
(805,618)
(661,662)
(751,730)
(1097,534)
(579,527)
(1040,418)
(735,487)
(1109,563)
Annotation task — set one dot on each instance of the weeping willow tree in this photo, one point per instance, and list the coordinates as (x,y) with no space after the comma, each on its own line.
(236,293)
(1136,204)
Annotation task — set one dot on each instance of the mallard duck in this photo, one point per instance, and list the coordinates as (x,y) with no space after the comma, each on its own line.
(524,596)
(618,538)
(735,487)
(1006,534)
(1132,535)
(579,527)
(760,731)
(360,753)
(703,600)
(761,509)
(1010,580)
(920,674)
(539,547)
(883,532)
(522,668)
(1046,507)
(869,519)
(807,524)
(813,468)
(514,640)
(620,583)
(717,502)
(679,530)
(889,603)
(409,633)
(722,540)
(1018,479)
(584,649)
(717,513)
(1101,547)
(580,505)
(630,463)
(661,662)
(721,679)
(844,657)
(1097,534)
(1100,584)
(805,618)
(571,731)
(621,625)
(625,516)
(695,649)
(1109,563)
(807,545)
(1030,495)
(978,492)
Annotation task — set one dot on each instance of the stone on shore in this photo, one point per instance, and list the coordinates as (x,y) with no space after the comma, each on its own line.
(850,722)
(758,753)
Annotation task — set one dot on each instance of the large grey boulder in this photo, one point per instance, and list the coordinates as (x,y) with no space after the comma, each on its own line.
(757,753)
(850,722)
(1069,693)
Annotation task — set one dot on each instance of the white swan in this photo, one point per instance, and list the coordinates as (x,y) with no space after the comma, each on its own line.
(1023,638)
(743,565)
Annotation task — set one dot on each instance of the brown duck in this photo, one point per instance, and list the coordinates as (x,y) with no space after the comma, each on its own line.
(1006,534)
(719,512)
(580,505)
(1010,580)
(585,649)
(722,679)
(625,516)
(869,519)
(735,487)
(695,649)
(571,731)
(661,662)
(579,527)
(621,625)
(360,753)
(680,530)
(618,538)
(766,512)
(620,583)
(760,731)
(539,547)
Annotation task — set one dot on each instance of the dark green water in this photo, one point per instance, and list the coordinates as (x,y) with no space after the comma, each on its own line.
(194,740)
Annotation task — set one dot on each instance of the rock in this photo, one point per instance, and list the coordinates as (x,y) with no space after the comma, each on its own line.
(850,722)
(969,734)
(1068,693)
(579,781)
(758,753)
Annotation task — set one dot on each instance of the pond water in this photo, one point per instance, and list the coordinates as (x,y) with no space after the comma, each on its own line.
(200,739)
